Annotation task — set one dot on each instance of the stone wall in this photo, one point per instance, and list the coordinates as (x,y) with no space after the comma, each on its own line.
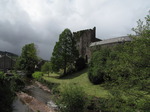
(84,38)
(88,43)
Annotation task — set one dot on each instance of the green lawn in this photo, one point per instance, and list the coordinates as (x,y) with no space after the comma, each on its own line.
(80,79)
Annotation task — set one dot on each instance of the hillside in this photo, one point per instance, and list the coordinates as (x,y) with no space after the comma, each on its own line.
(80,79)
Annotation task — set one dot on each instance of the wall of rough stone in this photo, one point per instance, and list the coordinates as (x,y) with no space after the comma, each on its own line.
(84,38)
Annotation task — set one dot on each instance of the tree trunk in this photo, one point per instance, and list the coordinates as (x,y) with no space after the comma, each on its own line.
(64,70)
(65,64)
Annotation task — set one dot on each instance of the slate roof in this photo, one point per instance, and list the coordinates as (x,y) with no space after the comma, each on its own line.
(111,41)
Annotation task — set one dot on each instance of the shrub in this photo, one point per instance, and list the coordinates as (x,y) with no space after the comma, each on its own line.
(72,99)
(8,87)
(96,76)
(125,101)
(97,66)
(37,75)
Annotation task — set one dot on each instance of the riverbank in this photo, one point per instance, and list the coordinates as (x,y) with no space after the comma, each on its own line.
(45,88)
(35,97)
(106,96)
(34,104)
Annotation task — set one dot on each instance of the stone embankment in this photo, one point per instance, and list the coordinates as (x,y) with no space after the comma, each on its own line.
(34,104)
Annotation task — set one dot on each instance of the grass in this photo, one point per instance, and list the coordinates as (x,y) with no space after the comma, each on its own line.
(81,79)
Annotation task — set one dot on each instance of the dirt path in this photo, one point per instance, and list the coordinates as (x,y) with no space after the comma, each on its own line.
(33,103)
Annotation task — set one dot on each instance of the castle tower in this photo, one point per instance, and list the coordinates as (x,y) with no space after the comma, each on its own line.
(84,38)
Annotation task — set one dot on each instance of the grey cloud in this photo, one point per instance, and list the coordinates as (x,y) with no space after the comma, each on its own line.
(41,21)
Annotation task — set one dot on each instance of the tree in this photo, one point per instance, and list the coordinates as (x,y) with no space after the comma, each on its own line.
(65,52)
(143,30)
(28,58)
(47,67)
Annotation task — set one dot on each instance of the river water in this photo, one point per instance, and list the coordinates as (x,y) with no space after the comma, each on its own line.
(33,90)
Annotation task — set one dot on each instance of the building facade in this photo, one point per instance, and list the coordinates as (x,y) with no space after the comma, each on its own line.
(87,41)
(6,63)
(84,38)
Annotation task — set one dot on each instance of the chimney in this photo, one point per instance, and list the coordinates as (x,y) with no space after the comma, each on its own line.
(94,32)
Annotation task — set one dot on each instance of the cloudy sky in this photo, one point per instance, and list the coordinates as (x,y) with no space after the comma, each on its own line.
(41,21)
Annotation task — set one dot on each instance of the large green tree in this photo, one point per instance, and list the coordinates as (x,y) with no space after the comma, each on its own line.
(65,52)
(28,58)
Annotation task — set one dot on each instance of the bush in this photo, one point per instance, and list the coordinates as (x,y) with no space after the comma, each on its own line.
(72,99)
(96,76)
(97,66)
(80,64)
(37,75)
(8,87)
(125,68)
(125,101)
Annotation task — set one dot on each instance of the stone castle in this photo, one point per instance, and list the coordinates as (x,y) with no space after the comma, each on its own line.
(86,41)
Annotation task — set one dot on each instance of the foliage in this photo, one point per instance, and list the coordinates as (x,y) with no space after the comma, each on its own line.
(80,64)
(47,67)
(126,70)
(37,75)
(132,62)
(121,100)
(65,52)
(143,29)
(97,66)
(72,99)
(18,64)
(51,85)
(129,61)
(1,73)
(28,59)
(8,87)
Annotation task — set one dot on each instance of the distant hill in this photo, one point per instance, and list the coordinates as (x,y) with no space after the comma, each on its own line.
(8,54)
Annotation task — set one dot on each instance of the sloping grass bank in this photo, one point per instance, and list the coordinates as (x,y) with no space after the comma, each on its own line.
(79,79)
(110,98)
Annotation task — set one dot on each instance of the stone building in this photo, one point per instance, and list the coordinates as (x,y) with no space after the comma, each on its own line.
(109,42)
(6,63)
(84,38)
(87,41)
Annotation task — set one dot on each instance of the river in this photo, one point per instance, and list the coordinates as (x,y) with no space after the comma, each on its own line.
(32,89)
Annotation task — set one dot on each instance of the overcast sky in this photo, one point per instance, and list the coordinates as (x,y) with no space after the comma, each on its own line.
(41,21)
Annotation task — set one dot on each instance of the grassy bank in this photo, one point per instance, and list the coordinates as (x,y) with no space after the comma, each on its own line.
(81,79)
(122,99)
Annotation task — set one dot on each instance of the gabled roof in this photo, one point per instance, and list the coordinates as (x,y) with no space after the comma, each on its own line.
(112,40)
(1,57)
